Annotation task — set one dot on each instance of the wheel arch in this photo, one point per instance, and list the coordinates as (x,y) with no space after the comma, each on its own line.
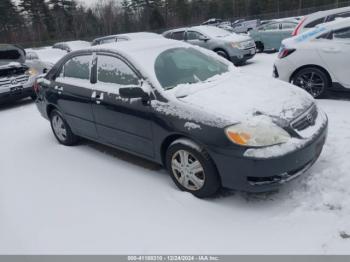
(312,66)
(49,109)
(173,137)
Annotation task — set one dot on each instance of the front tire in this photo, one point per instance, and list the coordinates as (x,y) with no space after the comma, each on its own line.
(313,80)
(259,47)
(191,169)
(222,53)
(61,129)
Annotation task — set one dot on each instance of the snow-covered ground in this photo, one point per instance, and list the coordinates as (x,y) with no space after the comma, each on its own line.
(91,199)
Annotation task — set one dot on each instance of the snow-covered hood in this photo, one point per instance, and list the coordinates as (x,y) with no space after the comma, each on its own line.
(8,65)
(237,97)
(236,38)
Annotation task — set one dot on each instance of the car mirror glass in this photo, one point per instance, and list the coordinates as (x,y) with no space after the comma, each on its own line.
(133,92)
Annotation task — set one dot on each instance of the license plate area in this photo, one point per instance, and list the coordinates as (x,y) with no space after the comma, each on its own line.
(16,89)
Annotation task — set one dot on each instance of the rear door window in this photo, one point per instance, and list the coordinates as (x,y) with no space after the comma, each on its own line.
(77,68)
(343,34)
(315,23)
(341,15)
(271,27)
(288,25)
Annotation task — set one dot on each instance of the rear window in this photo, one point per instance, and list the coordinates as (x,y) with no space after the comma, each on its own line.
(315,23)
(10,55)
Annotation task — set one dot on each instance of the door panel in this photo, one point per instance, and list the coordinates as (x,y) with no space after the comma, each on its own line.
(125,123)
(73,90)
(270,35)
(335,53)
(194,38)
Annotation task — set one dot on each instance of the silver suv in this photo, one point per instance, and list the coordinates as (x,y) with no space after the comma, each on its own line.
(234,47)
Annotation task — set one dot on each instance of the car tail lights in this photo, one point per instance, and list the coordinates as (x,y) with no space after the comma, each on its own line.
(285,52)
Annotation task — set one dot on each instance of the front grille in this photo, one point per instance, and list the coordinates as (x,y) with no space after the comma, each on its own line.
(12,72)
(306,120)
(14,81)
(248,44)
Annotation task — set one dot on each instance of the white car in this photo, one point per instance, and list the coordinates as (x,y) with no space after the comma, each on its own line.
(312,20)
(125,37)
(317,60)
(72,45)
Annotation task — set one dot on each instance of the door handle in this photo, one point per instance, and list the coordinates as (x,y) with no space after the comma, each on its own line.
(59,89)
(97,97)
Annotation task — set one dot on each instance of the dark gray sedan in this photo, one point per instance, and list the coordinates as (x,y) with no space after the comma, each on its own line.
(187,109)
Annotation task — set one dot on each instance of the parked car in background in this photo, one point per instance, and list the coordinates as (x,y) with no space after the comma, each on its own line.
(226,26)
(125,37)
(72,45)
(312,20)
(317,60)
(33,61)
(236,48)
(17,75)
(270,36)
(191,111)
(242,26)
(212,21)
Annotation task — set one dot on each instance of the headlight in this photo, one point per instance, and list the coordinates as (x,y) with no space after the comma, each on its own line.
(31,72)
(237,45)
(258,134)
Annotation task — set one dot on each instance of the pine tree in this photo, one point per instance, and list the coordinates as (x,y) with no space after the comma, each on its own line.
(9,16)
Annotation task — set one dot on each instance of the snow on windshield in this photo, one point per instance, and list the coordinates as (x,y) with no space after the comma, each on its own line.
(186,66)
(213,31)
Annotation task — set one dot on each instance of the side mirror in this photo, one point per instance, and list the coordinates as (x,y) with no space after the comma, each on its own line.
(204,38)
(133,92)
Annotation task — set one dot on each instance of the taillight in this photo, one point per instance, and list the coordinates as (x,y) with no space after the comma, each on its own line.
(297,29)
(285,52)
(36,87)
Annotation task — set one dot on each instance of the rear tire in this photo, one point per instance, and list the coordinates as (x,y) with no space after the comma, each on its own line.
(191,169)
(61,129)
(313,80)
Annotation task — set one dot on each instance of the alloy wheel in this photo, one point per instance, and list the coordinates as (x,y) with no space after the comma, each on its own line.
(312,82)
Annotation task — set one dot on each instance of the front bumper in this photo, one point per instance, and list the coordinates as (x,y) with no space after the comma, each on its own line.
(263,174)
(242,55)
(16,93)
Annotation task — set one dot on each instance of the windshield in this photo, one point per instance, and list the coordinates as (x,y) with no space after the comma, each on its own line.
(9,55)
(186,66)
(213,31)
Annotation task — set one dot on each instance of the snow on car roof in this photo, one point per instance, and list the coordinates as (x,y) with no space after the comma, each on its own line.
(318,31)
(143,52)
(212,31)
(140,35)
